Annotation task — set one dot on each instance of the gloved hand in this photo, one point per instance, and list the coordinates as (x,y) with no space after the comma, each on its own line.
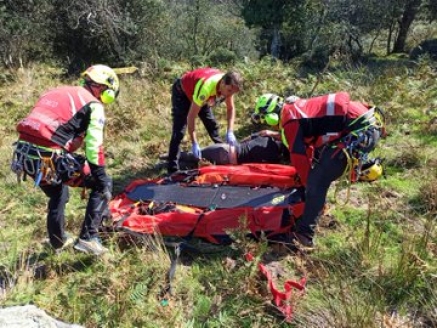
(230,138)
(196,150)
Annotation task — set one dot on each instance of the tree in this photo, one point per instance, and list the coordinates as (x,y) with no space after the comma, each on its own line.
(112,31)
(24,31)
(200,29)
(410,11)
(270,15)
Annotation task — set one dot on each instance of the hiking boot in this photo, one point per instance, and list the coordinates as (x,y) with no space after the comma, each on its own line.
(90,246)
(68,240)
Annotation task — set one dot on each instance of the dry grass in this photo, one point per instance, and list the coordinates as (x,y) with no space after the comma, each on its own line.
(374,265)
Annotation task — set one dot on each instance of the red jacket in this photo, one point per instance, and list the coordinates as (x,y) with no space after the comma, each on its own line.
(62,118)
(310,123)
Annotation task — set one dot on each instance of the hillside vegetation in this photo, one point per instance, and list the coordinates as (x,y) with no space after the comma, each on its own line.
(375,261)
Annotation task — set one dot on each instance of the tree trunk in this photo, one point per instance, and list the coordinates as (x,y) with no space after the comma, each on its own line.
(276,43)
(389,38)
(410,10)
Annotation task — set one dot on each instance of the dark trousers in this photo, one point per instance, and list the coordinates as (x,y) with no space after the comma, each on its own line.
(69,172)
(58,198)
(180,108)
(331,165)
(217,154)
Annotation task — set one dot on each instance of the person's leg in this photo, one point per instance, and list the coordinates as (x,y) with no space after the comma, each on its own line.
(58,198)
(207,117)
(331,165)
(260,150)
(178,131)
(93,215)
(179,112)
(97,207)
(217,153)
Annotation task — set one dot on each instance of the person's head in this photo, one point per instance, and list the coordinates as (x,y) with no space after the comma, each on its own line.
(267,109)
(230,83)
(102,82)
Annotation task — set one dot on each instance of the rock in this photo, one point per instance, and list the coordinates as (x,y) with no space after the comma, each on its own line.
(29,316)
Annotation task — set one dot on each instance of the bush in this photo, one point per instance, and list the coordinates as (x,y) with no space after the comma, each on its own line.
(222,56)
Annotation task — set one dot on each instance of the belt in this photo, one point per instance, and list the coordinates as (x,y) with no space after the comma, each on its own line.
(36,151)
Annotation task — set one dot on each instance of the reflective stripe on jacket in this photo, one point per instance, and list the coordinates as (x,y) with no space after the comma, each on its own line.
(310,123)
(200,86)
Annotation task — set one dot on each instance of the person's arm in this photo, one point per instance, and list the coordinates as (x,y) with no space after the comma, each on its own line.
(94,135)
(270,133)
(298,150)
(230,112)
(230,136)
(94,149)
(264,133)
(191,121)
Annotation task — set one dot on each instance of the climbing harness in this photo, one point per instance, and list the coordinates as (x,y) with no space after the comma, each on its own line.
(46,165)
(46,171)
(69,168)
(36,161)
(355,147)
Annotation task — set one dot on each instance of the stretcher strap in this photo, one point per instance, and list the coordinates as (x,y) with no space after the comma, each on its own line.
(283,300)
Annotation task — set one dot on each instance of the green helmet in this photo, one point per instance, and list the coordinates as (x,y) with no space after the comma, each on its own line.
(268,107)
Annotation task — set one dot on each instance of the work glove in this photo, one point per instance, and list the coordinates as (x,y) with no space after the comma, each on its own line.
(196,150)
(230,138)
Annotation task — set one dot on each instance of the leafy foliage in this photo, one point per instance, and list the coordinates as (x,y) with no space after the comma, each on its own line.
(132,31)
(24,32)
(113,31)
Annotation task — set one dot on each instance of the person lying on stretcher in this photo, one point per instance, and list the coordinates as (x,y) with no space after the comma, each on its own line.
(261,147)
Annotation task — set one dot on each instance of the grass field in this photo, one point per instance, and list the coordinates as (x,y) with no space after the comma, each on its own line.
(375,261)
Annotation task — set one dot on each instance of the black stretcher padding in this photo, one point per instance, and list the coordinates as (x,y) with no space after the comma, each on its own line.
(215,197)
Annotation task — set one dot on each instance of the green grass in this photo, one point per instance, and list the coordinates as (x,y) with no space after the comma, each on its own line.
(374,264)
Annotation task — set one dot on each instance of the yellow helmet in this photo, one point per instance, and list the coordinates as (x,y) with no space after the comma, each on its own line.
(371,170)
(267,109)
(104,75)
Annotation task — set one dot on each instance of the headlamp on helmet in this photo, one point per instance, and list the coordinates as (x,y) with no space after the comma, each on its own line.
(103,75)
(267,109)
